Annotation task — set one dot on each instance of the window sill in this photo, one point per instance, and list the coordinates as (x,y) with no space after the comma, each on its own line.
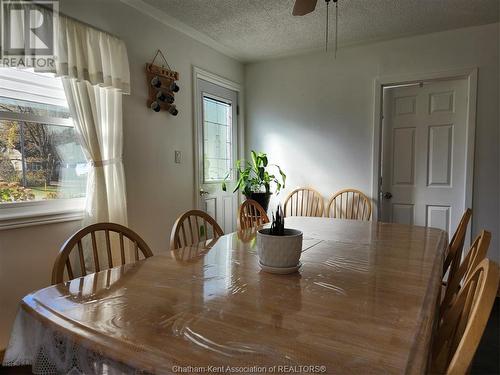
(24,214)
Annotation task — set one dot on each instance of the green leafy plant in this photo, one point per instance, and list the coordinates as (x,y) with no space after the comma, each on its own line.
(255,177)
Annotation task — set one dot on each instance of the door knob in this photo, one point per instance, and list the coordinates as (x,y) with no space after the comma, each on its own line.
(387,195)
(203,192)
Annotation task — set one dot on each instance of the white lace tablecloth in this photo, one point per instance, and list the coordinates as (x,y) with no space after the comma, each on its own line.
(49,351)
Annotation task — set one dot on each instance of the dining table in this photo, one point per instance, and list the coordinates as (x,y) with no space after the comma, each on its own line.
(363,302)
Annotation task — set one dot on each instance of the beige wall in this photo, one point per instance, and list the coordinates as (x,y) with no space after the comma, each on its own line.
(314,114)
(26,258)
(158,190)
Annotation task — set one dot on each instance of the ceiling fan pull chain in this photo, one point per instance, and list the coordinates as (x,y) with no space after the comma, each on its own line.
(326,32)
(336,24)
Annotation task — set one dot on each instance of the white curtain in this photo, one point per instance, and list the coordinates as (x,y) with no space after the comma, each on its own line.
(88,54)
(97,113)
(95,70)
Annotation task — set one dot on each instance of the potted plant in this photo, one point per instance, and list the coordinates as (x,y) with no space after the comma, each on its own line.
(254,180)
(279,248)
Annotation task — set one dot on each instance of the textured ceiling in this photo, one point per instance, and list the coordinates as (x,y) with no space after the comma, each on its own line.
(259,29)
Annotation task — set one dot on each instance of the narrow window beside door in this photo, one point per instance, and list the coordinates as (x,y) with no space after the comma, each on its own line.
(217,139)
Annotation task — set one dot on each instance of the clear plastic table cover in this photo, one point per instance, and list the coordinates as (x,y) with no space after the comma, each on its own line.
(362,302)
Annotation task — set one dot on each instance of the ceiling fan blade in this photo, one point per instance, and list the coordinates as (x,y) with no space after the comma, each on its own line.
(303,7)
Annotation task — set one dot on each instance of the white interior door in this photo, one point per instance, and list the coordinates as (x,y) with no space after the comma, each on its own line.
(424,151)
(217,152)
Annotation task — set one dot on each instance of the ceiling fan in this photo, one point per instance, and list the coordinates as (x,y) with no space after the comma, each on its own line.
(303,7)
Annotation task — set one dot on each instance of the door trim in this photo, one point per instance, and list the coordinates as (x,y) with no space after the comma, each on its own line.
(470,74)
(199,73)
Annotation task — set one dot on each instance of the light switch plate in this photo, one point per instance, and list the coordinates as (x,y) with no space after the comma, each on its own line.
(177,156)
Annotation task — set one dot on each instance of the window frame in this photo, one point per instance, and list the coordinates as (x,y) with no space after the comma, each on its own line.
(38,212)
(15,116)
(22,214)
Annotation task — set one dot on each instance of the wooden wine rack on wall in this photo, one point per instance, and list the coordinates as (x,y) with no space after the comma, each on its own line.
(162,83)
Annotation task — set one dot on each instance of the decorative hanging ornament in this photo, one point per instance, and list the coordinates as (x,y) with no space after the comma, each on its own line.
(162,85)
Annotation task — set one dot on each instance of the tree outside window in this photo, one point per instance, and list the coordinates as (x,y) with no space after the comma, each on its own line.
(40,155)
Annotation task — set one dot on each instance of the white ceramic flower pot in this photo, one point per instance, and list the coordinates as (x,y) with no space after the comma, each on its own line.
(279,251)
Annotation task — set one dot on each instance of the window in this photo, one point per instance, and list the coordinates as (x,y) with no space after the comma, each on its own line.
(217,134)
(41,158)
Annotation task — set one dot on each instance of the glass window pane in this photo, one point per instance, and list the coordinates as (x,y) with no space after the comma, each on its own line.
(32,108)
(54,164)
(222,115)
(11,166)
(217,134)
(210,110)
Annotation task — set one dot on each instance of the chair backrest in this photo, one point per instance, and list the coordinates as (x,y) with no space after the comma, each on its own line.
(454,253)
(475,255)
(304,202)
(251,215)
(193,227)
(349,204)
(63,261)
(459,334)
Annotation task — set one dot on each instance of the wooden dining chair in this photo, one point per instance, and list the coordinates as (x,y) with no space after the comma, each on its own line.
(453,256)
(458,337)
(349,204)
(304,202)
(193,227)
(251,215)
(475,255)
(63,260)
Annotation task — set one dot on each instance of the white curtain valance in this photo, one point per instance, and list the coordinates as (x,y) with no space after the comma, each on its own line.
(88,54)
(80,51)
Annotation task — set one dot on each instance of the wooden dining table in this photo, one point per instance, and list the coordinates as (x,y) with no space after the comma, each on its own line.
(363,302)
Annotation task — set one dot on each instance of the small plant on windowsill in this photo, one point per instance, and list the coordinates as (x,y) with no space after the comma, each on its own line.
(255,179)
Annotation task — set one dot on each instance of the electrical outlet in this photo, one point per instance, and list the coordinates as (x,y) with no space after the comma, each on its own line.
(177,157)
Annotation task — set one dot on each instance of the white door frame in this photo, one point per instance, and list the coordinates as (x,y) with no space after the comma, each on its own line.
(470,74)
(199,73)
